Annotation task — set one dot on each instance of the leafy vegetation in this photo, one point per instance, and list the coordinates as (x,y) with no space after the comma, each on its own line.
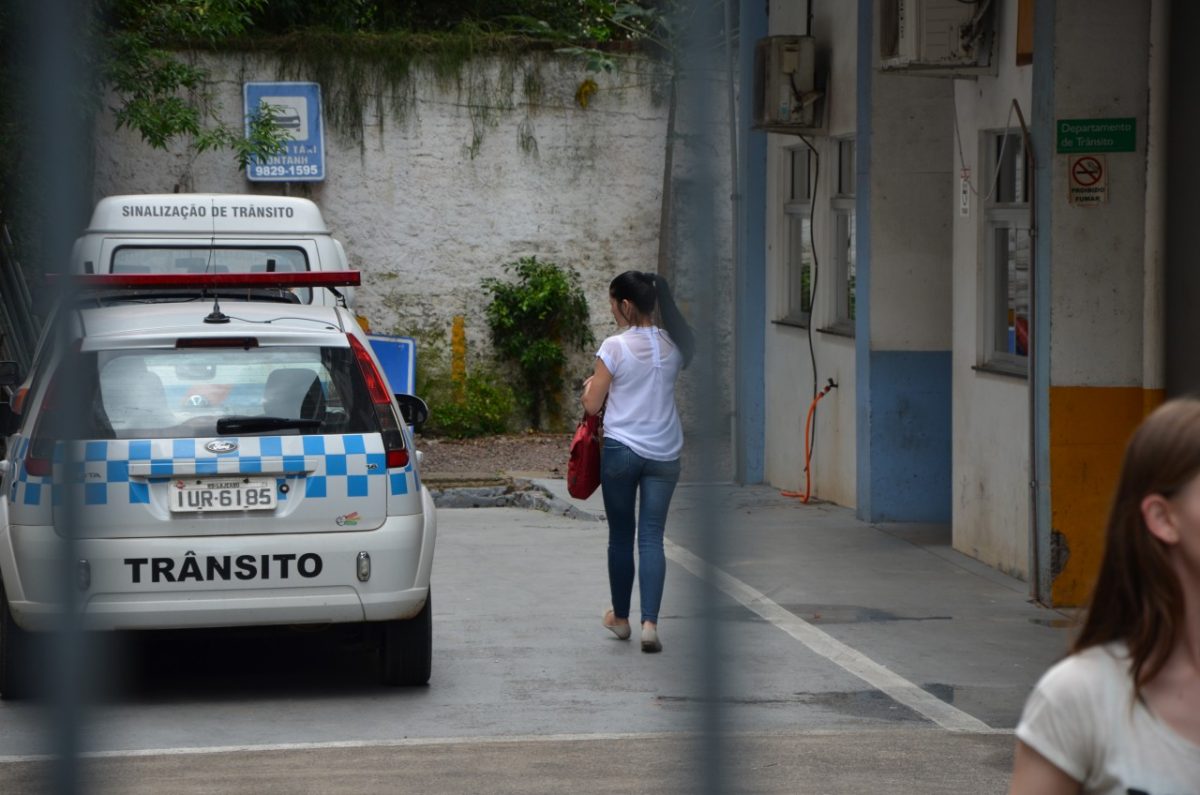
(481,406)
(164,96)
(535,319)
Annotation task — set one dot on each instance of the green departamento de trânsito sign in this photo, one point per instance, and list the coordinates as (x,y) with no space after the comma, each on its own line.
(1095,135)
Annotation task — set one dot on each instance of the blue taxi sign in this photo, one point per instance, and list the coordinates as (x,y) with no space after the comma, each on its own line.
(297,109)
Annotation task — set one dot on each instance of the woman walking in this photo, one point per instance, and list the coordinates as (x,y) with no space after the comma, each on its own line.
(635,372)
(1121,714)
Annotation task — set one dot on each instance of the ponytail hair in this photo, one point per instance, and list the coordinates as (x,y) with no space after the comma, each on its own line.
(674,322)
(647,290)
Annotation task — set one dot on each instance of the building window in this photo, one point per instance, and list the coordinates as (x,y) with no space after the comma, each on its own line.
(846,173)
(843,253)
(798,262)
(842,207)
(800,189)
(1007,246)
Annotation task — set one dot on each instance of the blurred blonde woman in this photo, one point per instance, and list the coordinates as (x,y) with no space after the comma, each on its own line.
(1121,714)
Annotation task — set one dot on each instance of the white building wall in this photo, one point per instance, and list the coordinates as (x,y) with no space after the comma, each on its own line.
(991,411)
(910,195)
(789,381)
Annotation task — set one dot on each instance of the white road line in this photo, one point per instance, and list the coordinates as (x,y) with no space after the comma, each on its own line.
(820,642)
(424,742)
(404,742)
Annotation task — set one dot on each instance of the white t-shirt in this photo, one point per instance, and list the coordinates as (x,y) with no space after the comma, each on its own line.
(1083,717)
(641,414)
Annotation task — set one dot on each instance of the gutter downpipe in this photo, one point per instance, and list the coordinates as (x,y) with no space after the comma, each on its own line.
(1034,553)
(1043,115)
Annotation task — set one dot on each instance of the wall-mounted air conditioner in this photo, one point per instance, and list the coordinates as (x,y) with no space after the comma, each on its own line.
(786,96)
(937,37)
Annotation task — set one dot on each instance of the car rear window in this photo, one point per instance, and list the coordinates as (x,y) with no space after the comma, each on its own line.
(212,259)
(181,393)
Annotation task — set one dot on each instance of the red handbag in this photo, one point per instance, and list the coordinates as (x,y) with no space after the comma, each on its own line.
(583,467)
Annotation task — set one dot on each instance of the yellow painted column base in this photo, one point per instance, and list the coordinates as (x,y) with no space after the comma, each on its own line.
(1089,428)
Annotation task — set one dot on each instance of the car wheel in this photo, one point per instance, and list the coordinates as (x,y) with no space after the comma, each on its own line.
(14,652)
(406,648)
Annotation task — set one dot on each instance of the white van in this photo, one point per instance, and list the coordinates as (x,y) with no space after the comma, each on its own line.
(210,233)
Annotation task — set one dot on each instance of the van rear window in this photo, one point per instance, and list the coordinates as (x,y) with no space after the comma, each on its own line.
(182,393)
(216,259)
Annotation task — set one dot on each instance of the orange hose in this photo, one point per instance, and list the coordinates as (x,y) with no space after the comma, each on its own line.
(812,408)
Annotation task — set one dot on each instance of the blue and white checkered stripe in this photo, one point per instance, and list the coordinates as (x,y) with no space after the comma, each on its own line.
(26,489)
(116,472)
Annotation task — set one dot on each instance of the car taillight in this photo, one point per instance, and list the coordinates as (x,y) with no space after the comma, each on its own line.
(39,459)
(18,401)
(393,437)
(217,342)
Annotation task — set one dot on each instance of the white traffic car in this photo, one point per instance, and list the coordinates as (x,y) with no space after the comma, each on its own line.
(249,468)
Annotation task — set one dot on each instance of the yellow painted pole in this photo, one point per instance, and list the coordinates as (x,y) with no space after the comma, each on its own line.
(458,357)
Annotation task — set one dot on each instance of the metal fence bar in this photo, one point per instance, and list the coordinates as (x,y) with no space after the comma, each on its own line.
(700,23)
(56,66)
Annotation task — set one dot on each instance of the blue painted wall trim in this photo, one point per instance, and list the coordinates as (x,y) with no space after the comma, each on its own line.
(910,471)
(862,209)
(1042,121)
(752,260)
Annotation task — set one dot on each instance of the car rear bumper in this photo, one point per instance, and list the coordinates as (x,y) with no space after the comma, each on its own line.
(224,581)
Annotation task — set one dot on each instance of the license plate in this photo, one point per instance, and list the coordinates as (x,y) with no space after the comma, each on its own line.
(222,494)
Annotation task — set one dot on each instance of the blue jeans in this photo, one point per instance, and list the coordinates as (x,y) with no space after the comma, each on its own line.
(622,473)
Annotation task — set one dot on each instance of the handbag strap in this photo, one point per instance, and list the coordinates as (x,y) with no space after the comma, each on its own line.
(598,416)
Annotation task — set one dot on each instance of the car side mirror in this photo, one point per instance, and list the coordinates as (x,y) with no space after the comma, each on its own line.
(9,420)
(10,374)
(413,409)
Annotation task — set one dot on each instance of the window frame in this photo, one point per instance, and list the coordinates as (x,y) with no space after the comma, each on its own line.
(843,223)
(797,216)
(998,218)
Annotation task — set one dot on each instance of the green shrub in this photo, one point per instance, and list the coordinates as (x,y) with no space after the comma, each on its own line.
(484,409)
(534,320)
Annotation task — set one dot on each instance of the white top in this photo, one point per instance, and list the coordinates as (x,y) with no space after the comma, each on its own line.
(641,413)
(1083,717)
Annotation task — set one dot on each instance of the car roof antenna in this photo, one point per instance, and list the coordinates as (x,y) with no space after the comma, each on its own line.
(216,315)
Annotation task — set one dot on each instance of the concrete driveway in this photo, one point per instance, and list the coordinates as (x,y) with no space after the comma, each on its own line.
(854,659)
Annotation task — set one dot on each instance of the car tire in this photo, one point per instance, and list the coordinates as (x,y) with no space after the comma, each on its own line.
(14,654)
(406,648)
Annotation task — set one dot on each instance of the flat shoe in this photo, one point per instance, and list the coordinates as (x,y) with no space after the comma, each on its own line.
(622,631)
(650,641)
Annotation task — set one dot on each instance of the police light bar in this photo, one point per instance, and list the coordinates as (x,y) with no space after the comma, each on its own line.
(198,281)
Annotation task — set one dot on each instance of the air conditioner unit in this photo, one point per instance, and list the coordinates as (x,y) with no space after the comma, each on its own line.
(947,37)
(786,97)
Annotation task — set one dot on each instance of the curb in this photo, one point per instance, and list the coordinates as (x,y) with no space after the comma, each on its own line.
(504,493)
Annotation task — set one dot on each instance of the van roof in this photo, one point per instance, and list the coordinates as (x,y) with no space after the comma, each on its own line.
(206,213)
(106,326)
